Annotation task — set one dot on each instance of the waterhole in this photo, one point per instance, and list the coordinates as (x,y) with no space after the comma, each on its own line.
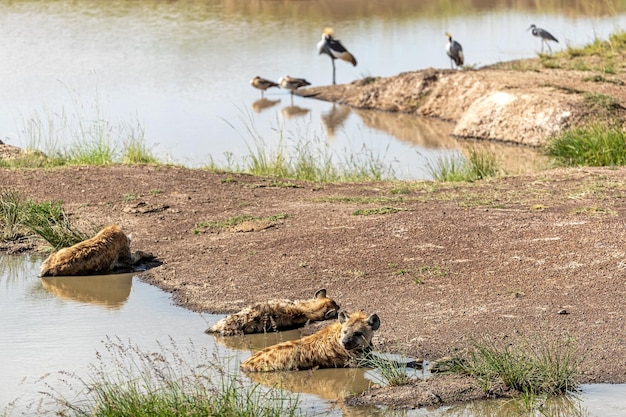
(176,73)
(55,329)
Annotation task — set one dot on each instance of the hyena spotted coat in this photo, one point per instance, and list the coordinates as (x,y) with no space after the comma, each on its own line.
(277,315)
(339,345)
(98,254)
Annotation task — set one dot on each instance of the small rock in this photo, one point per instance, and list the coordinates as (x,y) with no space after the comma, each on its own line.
(563,311)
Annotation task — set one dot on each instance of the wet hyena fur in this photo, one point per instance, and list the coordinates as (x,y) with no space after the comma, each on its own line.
(109,248)
(339,345)
(277,315)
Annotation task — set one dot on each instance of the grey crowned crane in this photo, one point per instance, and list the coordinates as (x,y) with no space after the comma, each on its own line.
(334,49)
(544,35)
(262,84)
(454,51)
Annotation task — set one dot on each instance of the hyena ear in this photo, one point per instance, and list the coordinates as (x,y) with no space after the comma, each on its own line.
(343,317)
(321,293)
(373,321)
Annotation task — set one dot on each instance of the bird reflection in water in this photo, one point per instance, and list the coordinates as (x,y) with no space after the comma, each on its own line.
(263,103)
(334,118)
(292,111)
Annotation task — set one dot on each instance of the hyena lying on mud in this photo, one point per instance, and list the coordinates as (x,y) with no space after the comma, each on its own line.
(101,253)
(277,315)
(339,345)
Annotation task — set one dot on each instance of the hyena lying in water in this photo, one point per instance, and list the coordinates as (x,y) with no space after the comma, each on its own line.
(339,345)
(277,315)
(101,253)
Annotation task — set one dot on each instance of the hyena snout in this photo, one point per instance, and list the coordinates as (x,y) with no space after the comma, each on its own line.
(354,341)
(357,335)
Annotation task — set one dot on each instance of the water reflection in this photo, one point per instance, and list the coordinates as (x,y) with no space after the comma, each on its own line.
(108,291)
(329,384)
(425,132)
(289,112)
(513,158)
(408,9)
(562,406)
(263,104)
(14,267)
(334,118)
(256,341)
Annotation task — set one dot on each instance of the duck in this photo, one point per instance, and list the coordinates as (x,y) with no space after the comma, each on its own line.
(292,83)
(262,84)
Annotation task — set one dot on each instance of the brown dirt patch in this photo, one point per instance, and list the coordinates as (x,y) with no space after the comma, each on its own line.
(524,107)
(456,262)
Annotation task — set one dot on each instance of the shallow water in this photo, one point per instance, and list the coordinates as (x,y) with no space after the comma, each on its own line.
(66,324)
(181,69)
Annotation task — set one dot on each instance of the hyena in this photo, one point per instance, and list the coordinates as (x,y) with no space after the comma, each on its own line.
(277,315)
(339,345)
(102,252)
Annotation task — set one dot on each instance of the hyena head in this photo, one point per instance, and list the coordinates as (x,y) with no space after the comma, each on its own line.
(357,331)
(322,307)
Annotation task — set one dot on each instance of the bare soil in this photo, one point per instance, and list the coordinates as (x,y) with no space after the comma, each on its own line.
(537,257)
(524,106)
(533,257)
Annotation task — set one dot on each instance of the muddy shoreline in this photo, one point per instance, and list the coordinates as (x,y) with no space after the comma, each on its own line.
(456,261)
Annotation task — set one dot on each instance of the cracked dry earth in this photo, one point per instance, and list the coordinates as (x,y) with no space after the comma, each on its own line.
(533,257)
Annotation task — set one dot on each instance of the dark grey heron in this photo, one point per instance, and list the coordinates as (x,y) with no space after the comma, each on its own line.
(544,35)
(334,49)
(454,51)
(262,84)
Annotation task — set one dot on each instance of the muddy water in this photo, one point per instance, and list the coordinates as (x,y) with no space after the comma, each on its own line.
(58,324)
(181,69)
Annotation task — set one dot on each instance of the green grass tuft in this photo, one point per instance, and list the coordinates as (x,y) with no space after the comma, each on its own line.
(375,211)
(547,368)
(304,155)
(478,165)
(592,145)
(23,217)
(169,383)
(234,221)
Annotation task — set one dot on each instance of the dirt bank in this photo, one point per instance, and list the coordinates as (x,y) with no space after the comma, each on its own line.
(521,106)
(448,263)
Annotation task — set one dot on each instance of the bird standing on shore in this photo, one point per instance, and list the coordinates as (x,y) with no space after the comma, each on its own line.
(334,49)
(262,84)
(454,51)
(544,35)
(292,83)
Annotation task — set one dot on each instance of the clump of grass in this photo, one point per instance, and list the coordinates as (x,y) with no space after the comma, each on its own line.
(49,221)
(548,368)
(11,207)
(23,217)
(89,138)
(305,155)
(478,165)
(169,382)
(136,152)
(391,371)
(600,55)
(234,221)
(375,211)
(592,145)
